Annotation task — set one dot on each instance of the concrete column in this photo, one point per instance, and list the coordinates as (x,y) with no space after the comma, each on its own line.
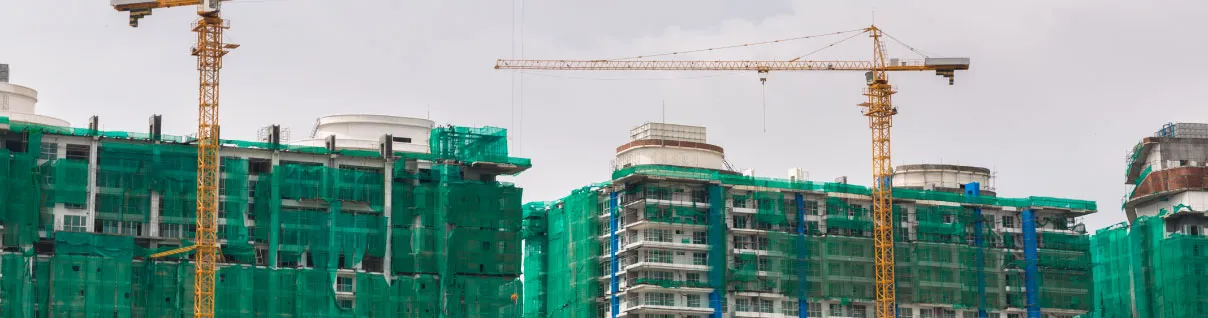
(93,146)
(153,224)
(274,221)
(387,207)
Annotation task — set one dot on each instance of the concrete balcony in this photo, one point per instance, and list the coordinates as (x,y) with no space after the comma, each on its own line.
(665,245)
(657,309)
(672,266)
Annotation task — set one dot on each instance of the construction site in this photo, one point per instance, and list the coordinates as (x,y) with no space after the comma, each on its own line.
(379,215)
(663,238)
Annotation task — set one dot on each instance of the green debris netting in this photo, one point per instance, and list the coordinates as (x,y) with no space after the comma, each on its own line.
(21,190)
(293,233)
(535,233)
(1142,270)
(473,144)
(571,255)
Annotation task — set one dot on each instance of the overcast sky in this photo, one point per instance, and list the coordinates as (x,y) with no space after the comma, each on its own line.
(1058,92)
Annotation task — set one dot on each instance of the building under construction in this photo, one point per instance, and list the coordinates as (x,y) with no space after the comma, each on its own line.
(374,216)
(1154,265)
(675,233)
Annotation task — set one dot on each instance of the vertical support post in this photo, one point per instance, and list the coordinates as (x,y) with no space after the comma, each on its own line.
(717,248)
(972,193)
(1031,272)
(802,260)
(614,285)
(387,212)
(274,206)
(444,234)
(274,227)
(93,165)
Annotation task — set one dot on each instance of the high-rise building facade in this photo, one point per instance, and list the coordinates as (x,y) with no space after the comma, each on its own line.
(676,233)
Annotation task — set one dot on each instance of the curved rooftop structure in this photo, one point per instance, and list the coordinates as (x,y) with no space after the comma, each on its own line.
(363,131)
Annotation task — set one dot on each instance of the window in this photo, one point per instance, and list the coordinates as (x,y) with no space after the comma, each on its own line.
(815,310)
(788,308)
(111,227)
(343,284)
(905,216)
(699,237)
(740,222)
(1008,221)
(858,311)
(946,313)
(75,223)
(761,243)
(661,275)
(948,218)
(835,310)
(75,206)
(906,312)
(78,152)
(742,304)
(660,299)
(345,303)
(699,258)
(658,235)
(742,242)
(692,277)
(765,306)
(763,264)
(49,151)
(168,230)
(693,300)
(811,207)
(740,201)
(658,256)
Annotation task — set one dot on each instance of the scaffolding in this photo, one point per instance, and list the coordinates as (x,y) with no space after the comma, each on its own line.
(295,236)
(1141,271)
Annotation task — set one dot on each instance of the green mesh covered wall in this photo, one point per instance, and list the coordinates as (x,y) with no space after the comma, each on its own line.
(573,249)
(456,244)
(1141,269)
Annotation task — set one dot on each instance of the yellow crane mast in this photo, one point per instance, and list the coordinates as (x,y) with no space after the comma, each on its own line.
(209,52)
(879,110)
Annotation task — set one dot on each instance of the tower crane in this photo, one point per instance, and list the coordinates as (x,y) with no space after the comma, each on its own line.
(878,108)
(209,52)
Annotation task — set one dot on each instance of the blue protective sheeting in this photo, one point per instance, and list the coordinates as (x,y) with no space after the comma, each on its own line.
(1031,272)
(802,259)
(612,261)
(717,248)
(973,191)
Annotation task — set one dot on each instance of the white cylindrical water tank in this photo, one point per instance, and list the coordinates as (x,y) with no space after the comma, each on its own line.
(18,103)
(361,131)
(940,177)
(670,145)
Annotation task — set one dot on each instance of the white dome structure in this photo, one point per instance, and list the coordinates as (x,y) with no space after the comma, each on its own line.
(364,132)
(18,103)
